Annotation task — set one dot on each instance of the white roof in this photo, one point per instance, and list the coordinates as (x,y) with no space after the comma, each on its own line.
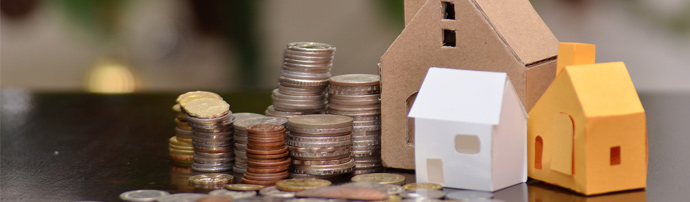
(461,95)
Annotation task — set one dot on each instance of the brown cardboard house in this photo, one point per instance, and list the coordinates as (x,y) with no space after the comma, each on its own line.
(503,36)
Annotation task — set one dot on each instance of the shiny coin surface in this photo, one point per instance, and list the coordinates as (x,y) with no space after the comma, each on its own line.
(210,179)
(181,197)
(320,121)
(355,79)
(295,185)
(424,193)
(197,93)
(233,194)
(143,195)
(469,195)
(382,178)
(415,186)
(206,108)
(394,189)
(275,192)
(244,187)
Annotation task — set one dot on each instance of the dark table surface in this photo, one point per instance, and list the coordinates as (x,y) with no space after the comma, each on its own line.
(79,146)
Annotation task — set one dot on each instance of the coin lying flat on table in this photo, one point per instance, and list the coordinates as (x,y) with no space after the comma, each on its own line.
(424,193)
(143,195)
(301,184)
(210,180)
(382,178)
(181,197)
(415,186)
(244,187)
(275,192)
(233,194)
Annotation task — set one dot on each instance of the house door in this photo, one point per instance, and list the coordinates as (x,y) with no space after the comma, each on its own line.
(562,138)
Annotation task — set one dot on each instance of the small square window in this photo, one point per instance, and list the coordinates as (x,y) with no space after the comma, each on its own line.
(616,155)
(448,9)
(449,38)
(467,144)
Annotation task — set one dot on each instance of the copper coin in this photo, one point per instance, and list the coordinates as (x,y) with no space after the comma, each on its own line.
(266,128)
(254,151)
(265,160)
(276,169)
(265,140)
(215,199)
(252,163)
(258,182)
(252,175)
(267,146)
(268,156)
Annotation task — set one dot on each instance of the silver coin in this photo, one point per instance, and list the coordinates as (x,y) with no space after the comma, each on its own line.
(368,165)
(366,153)
(354,108)
(393,189)
(323,172)
(353,102)
(301,91)
(320,155)
(319,139)
(319,149)
(211,169)
(300,68)
(365,143)
(245,115)
(424,193)
(244,124)
(355,113)
(143,195)
(330,131)
(311,62)
(292,82)
(354,90)
(366,128)
(236,169)
(311,47)
(210,121)
(376,137)
(365,148)
(356,79)
(469,195)
(310,66)
(275,192)
(317,144)
(276,93)
(368,171)
(233,194)
(366,133)
(181,197)
(366,123)
(324,57)
(321,103)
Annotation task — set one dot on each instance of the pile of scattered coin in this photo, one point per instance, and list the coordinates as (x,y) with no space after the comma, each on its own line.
(304,80)
(212,132)
(241,136)
(319,145)
(359,96)
(267,154)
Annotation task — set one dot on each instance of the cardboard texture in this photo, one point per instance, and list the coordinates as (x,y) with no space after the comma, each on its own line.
(588,131)
(471,136)
(506,36)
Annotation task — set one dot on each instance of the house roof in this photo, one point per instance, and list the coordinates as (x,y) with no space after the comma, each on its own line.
(461,95)
(604,89)
(521,28)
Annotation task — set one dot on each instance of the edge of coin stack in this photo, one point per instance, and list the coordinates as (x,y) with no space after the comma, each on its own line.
(303,80)
(359,96)
(319,145)
(267,154)
(241,137)
(212,132)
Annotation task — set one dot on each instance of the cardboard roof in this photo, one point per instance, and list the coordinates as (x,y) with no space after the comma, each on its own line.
(604,89)
(461,95)
(521,27)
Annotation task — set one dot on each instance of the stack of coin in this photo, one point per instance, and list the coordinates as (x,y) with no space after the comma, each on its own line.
(267,154)
(212,133)
(320,146)
(181,149)
(241,141)
(358,96)
(304,79)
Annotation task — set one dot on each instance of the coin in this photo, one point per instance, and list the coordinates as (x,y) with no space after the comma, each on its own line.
(143,195)
(190,93)
(424,193)
(319,121)
(394,189)
(295,185)
(275,192)
(244,187)
(382,178)
(469,195)
(206,107)
(415,186)
(233,194)
(215,199)
(211,179)
(355,79)
(181,197)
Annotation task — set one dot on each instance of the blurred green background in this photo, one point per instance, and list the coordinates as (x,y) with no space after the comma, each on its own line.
(178,45)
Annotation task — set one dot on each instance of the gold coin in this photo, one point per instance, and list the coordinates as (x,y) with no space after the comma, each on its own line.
(392,198)
(244,187)
(194,97)
(381,178)
(416,186)
(301,184)
(197,93)
(206,107)
(177,108)
(211,179)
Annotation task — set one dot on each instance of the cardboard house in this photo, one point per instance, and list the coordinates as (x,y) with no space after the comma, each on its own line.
(540,192)
(472,130)
(588,131)
(488,35)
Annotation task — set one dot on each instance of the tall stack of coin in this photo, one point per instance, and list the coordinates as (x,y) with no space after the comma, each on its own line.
(320,146)
(181,149)
(358,96)
(304,79)
(267,154)
(241,136)
(212,133)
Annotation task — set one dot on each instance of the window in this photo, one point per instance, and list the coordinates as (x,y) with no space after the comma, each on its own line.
(410,121)
(616,155)
(538,152)
(449,38)
(448,10)
(467,144)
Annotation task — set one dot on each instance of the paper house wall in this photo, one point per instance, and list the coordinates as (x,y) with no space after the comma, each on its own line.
(472,130)
(588,131)
(488,35)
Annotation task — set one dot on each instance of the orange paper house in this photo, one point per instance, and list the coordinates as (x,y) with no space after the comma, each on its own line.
(588,131)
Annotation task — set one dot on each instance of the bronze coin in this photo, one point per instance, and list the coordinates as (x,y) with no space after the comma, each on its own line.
(267,146)
(251,163)
(265,128)
(268,156)
(276,169)
(252,175)
(251,140)
(258,182)
(215,199)
(265,160)
(255,151)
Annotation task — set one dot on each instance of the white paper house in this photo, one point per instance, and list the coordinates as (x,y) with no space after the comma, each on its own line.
(471,130)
